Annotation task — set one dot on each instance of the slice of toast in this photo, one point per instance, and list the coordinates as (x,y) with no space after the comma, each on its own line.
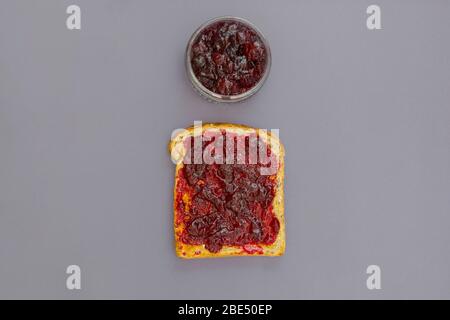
(206,224)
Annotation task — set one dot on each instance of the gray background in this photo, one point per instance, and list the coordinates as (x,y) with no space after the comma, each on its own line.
(85,177)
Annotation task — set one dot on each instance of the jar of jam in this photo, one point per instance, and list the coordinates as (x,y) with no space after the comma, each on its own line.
(227,59)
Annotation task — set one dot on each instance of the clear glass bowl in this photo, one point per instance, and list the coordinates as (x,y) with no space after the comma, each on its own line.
(215,97)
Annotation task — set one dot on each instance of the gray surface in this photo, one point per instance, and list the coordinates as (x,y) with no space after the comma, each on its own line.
(85,178)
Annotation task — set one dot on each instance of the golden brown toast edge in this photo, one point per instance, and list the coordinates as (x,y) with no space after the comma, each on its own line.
(186,251)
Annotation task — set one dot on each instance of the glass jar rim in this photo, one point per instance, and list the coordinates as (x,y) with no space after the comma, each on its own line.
(215,97)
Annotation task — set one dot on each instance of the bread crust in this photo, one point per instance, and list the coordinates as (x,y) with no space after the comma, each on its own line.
(177,151)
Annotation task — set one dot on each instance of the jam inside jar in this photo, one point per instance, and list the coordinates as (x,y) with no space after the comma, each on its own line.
(228,59)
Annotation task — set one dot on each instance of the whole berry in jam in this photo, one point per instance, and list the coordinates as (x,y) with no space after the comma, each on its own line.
(228,57)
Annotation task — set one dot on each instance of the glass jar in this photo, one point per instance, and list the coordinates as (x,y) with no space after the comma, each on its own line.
(238,59)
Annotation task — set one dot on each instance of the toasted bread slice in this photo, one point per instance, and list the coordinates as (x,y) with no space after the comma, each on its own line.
(178,150)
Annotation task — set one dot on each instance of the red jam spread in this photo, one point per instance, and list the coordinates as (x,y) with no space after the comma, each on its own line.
(230,204)
(228,57)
